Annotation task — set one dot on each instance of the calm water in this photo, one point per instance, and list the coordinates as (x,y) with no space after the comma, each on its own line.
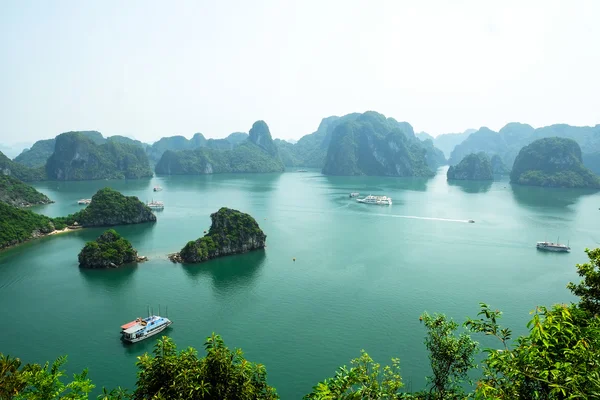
(362,276)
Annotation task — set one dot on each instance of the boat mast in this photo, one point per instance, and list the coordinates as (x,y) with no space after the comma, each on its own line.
(159,310)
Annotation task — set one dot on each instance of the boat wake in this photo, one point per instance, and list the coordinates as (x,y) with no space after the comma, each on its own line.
(423,218)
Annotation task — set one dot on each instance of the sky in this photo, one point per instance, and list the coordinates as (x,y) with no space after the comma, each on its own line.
(148,69)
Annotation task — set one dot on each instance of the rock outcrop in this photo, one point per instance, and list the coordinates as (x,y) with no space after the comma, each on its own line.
(555,162)
(498,166)
(375,145)
(109,250)
(256,154)
(19,194)
(231,232)
(77,157)
(109,208)
(476,167)
(21,172)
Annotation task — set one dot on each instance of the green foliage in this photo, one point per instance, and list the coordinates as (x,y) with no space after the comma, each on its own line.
(552,162)
(257,154)
(498,166)
(231,232)
(588,290)
(37,382)
(109,249)
(21,172)
(375,145)
(18,225)
(77,157)
(473,167)
(174,143)
(559,359)
(17,193)
(451,356)
(110,207)
(364,380)
(434,156)
(222,374)
(37,155)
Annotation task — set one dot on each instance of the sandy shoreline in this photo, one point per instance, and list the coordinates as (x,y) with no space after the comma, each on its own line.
(57,231)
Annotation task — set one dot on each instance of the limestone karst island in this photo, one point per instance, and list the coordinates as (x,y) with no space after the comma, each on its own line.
(299,200)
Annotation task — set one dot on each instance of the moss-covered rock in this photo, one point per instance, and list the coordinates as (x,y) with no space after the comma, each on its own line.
(554,162)
(108,208)
(19,194)
(109,250)
(231,232)
(476,167)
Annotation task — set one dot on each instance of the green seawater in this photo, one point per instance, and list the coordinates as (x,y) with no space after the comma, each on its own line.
(363,274)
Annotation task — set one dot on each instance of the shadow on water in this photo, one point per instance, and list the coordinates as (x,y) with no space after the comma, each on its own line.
(146,345)
(77,187)
(109,277)
(252,182)
(377,184)
(541,197)
(472,186)
(231,272)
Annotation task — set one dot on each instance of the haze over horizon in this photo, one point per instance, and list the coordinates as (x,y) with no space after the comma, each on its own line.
(150,69)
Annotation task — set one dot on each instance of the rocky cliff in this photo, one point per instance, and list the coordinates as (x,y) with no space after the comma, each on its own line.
(21,172)
(19,194)
(109,250)
(375,145)
(498,166)
(256,154)
(475,167)
(77,157)
(109,208)
(231,232)
(555,162)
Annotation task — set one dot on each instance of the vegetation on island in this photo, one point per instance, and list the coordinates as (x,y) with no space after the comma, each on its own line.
(108,208)
(476,167)
(554,162)
(433,156)
(231,232)
(375,145)
(18,225)
(37,155)
(77,157)
(498,166)
(19,194)
(109,250)
(507,142)
(559,358)
(258,153)
(21,172)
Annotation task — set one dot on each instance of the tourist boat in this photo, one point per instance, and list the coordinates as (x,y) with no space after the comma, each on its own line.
(471,221)
(142,328)
(156,205)
(157,188)
(354,194)
(380,200)
(84,201)
(549,246)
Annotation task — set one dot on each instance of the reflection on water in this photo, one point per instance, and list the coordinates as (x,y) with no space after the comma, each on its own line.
(108,277)
(365,184)
(472,186)
(251,182)
(231,272)
(541,197)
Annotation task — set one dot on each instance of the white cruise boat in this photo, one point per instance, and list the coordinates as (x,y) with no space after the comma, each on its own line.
(156,205)
(84,201)
(380,200)
(157,188)
(549,246)
(142,328)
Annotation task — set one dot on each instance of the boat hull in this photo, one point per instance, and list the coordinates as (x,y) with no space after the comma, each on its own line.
(146,336)
(554,249)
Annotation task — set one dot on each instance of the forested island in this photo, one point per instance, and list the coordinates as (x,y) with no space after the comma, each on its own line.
(109,250)
(473,167)
(257,153)
(554,162)
(108,208)
(558,358)
(20,194)
(231,232)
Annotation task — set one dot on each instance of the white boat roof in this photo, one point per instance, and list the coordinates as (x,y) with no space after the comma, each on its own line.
(134,329)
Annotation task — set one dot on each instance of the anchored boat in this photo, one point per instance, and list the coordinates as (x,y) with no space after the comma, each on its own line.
(550,246)
(379,200)
(156,205)
(84,201)
(157,188)
(142,328)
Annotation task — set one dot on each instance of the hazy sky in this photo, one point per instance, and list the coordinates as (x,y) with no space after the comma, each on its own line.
(149,69)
